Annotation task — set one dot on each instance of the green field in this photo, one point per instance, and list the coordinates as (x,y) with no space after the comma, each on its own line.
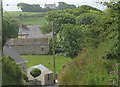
(47,61)
(33,21)
(17,13)
(27,18)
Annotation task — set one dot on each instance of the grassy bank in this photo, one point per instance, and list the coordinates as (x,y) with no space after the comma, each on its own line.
(91,68)
(47,61)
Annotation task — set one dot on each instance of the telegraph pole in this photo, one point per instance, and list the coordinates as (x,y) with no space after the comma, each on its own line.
(1,48)
(53,40)
(1,18)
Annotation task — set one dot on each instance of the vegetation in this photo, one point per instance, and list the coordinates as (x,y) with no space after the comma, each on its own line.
(35,72)
(32,8)
(27,18)
(63,5)
(47,61)
(90,36)
(36,7)
(10,29)
(89,68)
(11,72)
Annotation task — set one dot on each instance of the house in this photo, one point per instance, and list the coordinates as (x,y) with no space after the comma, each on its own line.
(32,31)
(51,6)
(9,51)
(26,46)
(30,41)
(46,76)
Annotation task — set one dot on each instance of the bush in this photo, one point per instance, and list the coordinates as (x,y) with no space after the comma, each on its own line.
(35,72)
(11,72)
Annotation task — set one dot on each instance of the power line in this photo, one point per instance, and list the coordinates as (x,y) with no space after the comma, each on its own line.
(7,14)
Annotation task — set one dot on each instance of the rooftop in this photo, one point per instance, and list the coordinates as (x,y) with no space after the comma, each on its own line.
(8,51)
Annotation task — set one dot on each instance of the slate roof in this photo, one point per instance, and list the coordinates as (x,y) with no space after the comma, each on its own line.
(33,31)
(8,51)
(23,30)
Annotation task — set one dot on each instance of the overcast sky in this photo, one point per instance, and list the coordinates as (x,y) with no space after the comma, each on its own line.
(13,3)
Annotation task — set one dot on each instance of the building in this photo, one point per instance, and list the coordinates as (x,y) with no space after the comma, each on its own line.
(32,31)
(51,6)
(46,77)
(30,41)
(9,51)
(26,46)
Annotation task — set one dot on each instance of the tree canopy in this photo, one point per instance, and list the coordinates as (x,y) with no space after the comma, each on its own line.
(10,29)
(94,27)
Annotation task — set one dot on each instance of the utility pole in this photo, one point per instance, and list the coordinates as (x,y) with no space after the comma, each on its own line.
(1,18)
(53,40)
(1,48)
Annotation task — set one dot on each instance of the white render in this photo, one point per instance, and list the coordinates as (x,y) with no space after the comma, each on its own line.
(46,76)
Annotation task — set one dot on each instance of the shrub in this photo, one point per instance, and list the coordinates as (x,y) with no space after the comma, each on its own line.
(35,72)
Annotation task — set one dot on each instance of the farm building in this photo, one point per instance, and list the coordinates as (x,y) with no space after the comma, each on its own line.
(30,41)
(46,77)
(32,31)
(26,46)
(9,51)
(51,6)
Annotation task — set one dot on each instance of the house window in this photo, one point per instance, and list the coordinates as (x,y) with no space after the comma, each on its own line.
(48,77)
(42,48)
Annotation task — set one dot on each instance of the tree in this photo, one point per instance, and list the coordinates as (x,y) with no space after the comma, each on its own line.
(10,29)
(63,5)
(11,72)
(70,40)
(30,8)
(35,72)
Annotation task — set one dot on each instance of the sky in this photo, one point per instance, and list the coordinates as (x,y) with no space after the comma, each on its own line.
(13,3)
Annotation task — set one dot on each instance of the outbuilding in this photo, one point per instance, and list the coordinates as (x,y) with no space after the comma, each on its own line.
(46,77)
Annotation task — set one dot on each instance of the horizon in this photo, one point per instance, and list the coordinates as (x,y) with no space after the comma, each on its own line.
(12,4)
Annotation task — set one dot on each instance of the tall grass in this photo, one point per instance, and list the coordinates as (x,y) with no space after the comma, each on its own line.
(89,68)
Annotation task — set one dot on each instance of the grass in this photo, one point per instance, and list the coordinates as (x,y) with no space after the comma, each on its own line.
(31,18)
(89,67)
(33,21)
(17,13)
(47,61)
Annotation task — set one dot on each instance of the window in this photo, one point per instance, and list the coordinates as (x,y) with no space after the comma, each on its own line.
(48,77)
(42,48)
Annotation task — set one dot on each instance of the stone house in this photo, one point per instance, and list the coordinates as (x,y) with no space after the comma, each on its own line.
(9,51)
(46,77)
(30,40)
(32,31)
(51,6)
(26,46)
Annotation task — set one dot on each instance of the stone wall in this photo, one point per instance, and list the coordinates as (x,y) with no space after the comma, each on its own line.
(49,79)
(31,49)
(30,46)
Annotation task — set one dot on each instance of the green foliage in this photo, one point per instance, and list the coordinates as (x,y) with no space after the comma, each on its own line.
(63,5)
(35,72)
(47,28)
(30,8)
(11,72)
(10,29)
(70,40)
(89,68)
